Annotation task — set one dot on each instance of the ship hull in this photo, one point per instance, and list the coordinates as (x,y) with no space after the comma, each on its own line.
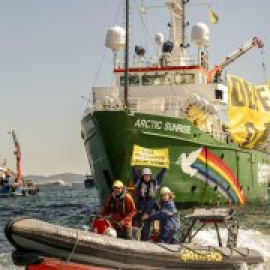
(202,169)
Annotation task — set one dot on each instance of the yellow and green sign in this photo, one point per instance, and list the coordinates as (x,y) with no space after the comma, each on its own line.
(147,157)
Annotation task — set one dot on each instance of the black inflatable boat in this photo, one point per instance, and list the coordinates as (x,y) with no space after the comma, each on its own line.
(34,240)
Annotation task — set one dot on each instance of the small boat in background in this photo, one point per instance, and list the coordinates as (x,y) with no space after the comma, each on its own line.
(12,183)
(10,187)
(89,181)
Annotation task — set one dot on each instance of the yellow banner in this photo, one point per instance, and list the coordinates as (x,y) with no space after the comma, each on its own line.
(249,112)
(150,157)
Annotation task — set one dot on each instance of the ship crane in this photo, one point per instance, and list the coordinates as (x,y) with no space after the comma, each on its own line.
(17,153)
(215,73)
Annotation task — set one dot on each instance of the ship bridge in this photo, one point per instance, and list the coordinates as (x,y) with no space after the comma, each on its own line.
(160,90)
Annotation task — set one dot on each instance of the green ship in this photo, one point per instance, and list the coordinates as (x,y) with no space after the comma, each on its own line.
(176,105)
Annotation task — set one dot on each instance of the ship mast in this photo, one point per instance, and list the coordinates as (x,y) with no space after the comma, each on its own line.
(126,57)
(18,156)
(177,31)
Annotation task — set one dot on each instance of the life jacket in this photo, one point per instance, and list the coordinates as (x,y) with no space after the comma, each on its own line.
(171,212)
(146,190)
(168,208)
(122,200)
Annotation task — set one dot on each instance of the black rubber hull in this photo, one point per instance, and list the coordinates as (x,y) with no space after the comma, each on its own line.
(49,240)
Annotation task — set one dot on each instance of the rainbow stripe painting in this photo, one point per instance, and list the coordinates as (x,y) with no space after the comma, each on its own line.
(208,167)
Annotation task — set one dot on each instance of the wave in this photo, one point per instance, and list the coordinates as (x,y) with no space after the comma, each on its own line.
(247,238)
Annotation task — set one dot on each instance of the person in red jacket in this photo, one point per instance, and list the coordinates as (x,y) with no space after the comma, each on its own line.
(121,208)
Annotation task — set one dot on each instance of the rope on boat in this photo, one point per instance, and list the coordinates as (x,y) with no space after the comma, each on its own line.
(242,254)
(223,254)
(73,249)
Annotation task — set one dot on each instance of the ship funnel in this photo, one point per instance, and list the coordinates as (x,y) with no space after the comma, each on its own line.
(200,35)
(116,38)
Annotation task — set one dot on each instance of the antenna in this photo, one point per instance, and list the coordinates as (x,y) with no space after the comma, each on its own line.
(126,56)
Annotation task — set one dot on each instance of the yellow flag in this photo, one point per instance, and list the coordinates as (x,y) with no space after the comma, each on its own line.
(213,17)
(249,112)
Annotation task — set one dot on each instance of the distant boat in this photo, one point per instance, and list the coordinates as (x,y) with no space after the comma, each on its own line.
(9,187)
(12,183)
(89,181)
(60,182)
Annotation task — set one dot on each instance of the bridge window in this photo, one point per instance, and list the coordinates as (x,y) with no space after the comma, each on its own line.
(168,78)
(184,78)
(134,80)
(156,79)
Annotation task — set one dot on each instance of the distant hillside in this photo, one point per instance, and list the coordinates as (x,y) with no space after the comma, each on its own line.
(67,177)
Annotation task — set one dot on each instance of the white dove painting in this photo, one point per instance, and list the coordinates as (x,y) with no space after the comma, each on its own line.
(206,166)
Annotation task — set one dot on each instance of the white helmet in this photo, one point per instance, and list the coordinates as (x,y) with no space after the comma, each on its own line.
(165,190)
(146,171)
(110,232)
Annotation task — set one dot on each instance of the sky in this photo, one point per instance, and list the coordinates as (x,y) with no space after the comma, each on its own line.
(51,52)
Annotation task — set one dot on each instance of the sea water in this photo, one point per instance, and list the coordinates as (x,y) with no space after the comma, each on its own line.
(72,206)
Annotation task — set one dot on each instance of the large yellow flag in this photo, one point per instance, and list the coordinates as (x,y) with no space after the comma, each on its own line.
(249,112)
(213,17)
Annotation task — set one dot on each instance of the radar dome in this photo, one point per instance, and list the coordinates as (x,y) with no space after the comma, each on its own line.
(200,34)
(116,38)
(159,39)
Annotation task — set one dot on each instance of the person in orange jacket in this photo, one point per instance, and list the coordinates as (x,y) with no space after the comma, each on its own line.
(120,206)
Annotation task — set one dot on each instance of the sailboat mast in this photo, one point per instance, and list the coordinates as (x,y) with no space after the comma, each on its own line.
(126,56)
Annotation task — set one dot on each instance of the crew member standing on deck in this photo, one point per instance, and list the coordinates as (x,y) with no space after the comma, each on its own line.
(121,208)
(146,187)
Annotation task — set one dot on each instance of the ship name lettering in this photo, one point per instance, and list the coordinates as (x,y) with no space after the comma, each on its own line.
(148,124)
(176,128)
(158,125)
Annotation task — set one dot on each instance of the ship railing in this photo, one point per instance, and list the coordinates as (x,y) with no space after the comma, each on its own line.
(89,109)
(168,106)
(217,133)
(171,106)
(108,105)
(150,62)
